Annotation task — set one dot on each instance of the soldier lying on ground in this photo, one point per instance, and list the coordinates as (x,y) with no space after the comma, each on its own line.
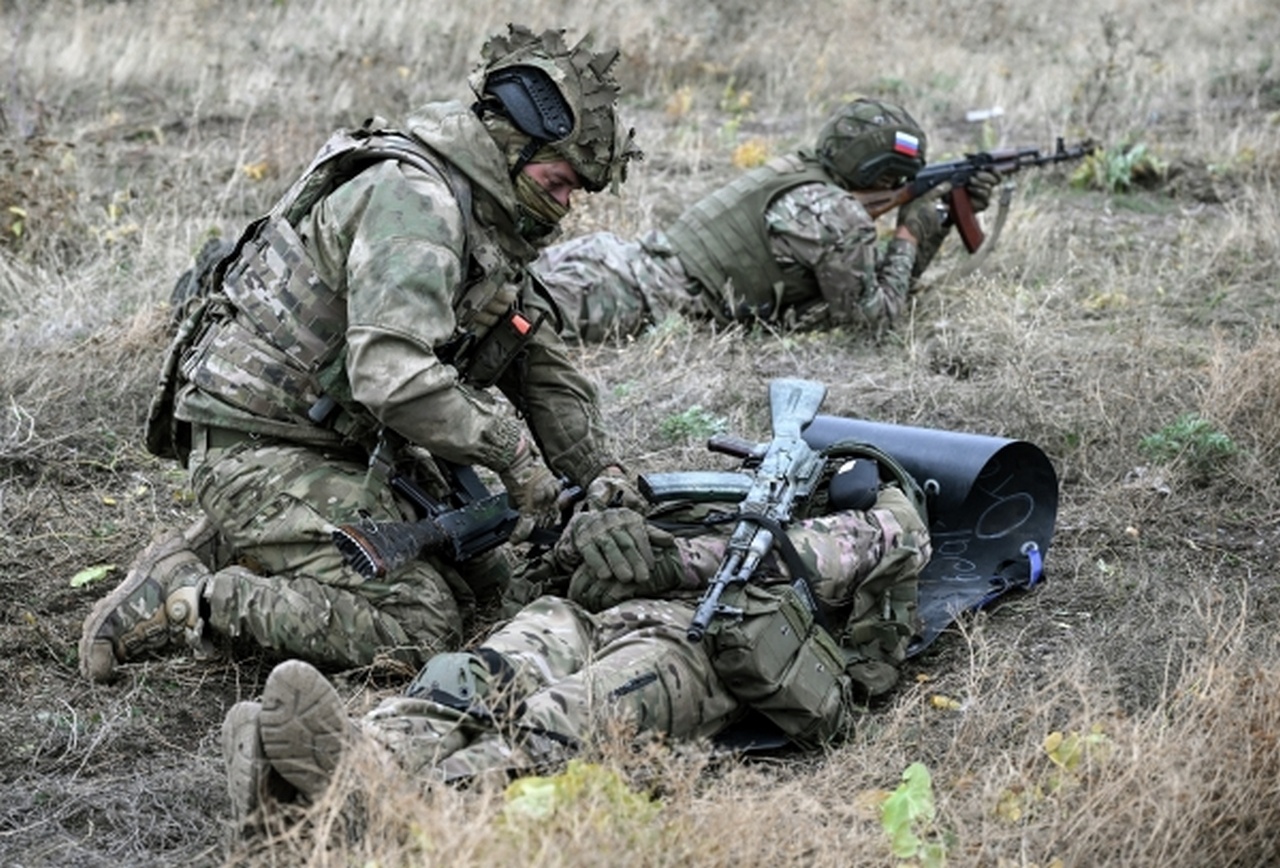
(615,648)
(785,243)
(387,290)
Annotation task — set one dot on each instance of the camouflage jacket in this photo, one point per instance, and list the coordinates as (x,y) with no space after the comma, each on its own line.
(364,296)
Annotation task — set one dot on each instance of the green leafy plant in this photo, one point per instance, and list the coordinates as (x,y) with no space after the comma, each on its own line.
(694,423)
(908,814)
(584,789)
(1069,750)
(1192,439)
(1119,168)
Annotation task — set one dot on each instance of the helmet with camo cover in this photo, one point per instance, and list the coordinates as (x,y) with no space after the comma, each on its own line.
(867,144)
(561,97)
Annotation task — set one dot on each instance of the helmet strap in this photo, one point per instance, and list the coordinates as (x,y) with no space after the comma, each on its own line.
(530,148)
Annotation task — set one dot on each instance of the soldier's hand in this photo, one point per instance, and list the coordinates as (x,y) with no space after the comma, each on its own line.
(617,555)
(981,186)
(533,490)
(612,488)
(610,544)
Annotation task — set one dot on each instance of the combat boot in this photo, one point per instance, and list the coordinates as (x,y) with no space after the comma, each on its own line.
(304,726)
(253,786)
(157,604)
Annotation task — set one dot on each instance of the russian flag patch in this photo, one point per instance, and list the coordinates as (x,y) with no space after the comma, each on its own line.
(905,143)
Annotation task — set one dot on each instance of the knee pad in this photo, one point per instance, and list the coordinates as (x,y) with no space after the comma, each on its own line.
(477,682)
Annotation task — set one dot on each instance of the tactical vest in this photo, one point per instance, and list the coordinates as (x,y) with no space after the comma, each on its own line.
(722,242)
(272,342)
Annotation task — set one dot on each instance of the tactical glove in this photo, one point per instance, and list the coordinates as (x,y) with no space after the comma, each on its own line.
(611,488)
(610,543)
(921,217)
(533,490)
(618,557)
(980,188)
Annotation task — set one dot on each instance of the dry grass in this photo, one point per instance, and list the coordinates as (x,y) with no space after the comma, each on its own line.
(130,130)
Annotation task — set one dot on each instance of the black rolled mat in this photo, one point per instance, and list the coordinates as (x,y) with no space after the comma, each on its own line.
(992,507)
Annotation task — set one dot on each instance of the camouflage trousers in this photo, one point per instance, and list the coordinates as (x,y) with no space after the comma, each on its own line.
(633,665)
(610,288)
(276,503)
(576,674)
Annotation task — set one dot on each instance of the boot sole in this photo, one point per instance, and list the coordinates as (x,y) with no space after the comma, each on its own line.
(304,726)
(245,759)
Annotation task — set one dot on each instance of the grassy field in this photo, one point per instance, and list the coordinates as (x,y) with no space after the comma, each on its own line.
(1126,713)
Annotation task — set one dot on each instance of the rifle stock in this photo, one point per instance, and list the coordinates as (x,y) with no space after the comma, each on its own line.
(377,549)
(880,202)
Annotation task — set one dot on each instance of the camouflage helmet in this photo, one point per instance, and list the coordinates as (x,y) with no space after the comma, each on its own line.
(868,143)
(560,96)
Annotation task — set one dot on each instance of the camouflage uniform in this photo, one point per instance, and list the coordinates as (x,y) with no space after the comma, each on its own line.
(358,306)
(564,670)
(818,263)
(787,243)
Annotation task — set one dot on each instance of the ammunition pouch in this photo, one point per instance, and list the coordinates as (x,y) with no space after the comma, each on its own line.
(778,660)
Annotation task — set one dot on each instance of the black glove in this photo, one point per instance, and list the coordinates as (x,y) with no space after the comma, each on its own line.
(980,187)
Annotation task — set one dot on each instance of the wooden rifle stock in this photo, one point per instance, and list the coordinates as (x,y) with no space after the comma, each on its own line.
(878,202)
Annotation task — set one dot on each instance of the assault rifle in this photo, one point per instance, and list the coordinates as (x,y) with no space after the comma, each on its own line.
(785,475)
(470,521)
(958,172)
(467,524)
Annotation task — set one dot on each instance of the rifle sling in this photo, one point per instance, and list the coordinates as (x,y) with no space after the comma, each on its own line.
(795,565)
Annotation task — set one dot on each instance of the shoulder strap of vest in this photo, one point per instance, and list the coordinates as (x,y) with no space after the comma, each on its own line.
(341,158)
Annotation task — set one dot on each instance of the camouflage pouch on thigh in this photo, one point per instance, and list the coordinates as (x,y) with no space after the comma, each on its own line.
(779,661)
